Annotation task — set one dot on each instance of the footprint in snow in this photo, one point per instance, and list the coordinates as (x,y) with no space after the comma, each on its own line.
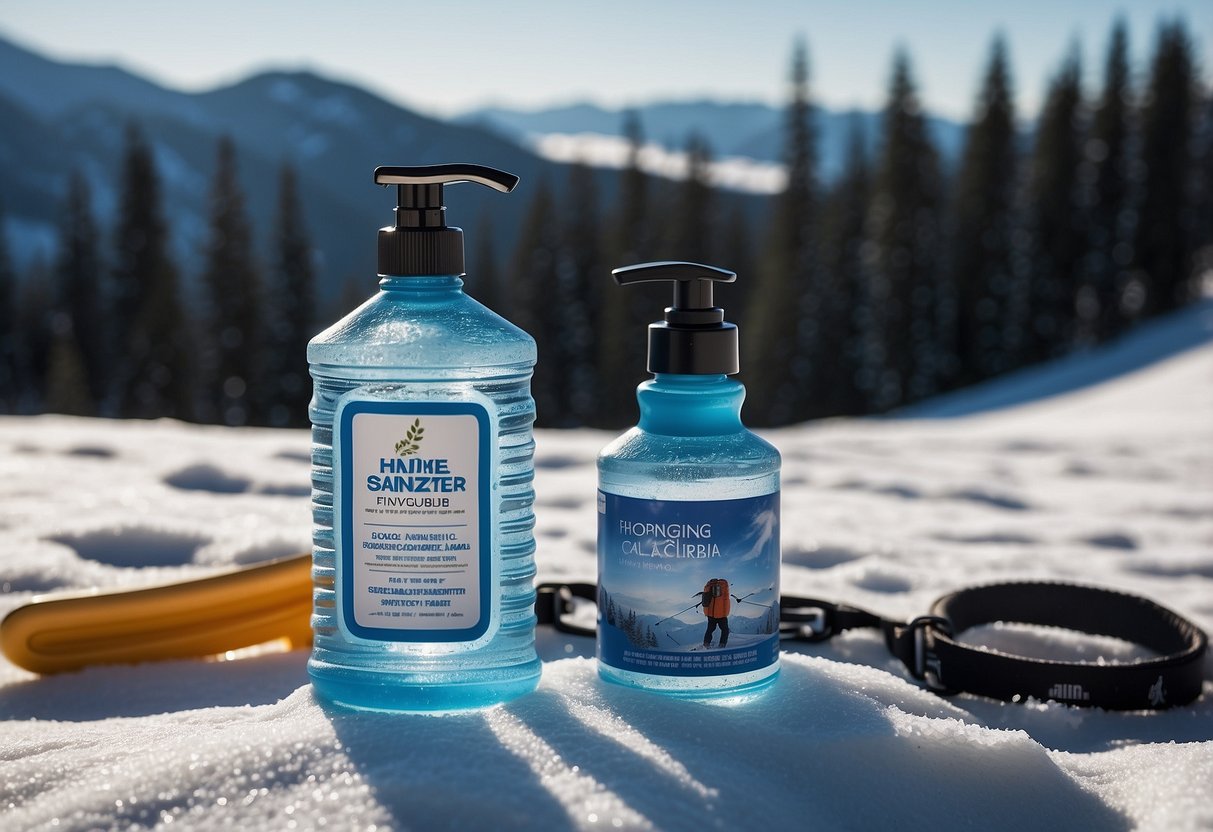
(893,489)
(1187,512)
(1112,540)
(285,489)
(558,461)
(562,502)
(882,582)
(996,538)
(821,557)
(217,481)
(1175,570)
(29,583)
(1028,446)
(207,478)
(134,546)
(97,451)
(989,498)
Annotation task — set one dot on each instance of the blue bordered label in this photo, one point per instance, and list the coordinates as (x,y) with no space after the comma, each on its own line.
(414,519)
(688,588)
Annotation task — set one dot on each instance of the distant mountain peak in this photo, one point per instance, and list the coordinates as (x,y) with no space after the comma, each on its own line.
(49,88)
(59,117)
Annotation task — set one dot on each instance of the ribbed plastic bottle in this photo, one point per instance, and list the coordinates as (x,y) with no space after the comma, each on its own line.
(423,550)
(688,513)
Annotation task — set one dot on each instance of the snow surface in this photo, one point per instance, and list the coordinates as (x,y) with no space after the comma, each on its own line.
(1111,484)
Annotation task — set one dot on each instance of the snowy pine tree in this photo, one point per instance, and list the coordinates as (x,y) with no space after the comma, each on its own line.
(901,257)
(485,276)
(982,272)
(8,325)
(67,388)
(1164,234)
(35,334)
(693,224)
(625,312)
(737,254)
(782,321)
(154,367)
(291,312)
(534,279)
(844,306)
(1057,232)
(234,380)
(1108,168)
(1202,265)
(82,346)
(582,276)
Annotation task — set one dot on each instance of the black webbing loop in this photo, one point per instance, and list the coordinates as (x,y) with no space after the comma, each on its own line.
(929,649)
(1174,677)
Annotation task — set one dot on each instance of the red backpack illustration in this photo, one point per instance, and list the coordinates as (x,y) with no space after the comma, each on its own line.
(716,598)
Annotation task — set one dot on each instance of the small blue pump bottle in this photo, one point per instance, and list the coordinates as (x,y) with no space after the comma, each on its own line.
(422,473)
(688,513)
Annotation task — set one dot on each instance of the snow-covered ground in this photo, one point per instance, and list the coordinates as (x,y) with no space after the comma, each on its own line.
(1111,484)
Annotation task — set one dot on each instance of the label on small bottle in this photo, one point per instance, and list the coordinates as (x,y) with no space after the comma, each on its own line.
(414,519)
(688,588)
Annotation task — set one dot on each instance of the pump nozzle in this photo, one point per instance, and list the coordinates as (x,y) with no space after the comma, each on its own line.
(421,243)
(694,338)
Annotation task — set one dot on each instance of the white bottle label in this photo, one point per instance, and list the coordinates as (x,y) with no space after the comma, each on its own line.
(414,519)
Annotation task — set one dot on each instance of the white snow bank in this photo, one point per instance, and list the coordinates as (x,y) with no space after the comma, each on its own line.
(735,173)
(842,746)
(1112,484)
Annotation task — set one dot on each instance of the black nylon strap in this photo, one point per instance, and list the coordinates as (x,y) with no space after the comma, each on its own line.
(929,649)
(1174,677)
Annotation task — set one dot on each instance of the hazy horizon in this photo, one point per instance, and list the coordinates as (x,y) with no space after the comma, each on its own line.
(509,57)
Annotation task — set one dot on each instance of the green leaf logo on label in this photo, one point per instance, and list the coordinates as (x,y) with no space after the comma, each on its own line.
(411,442)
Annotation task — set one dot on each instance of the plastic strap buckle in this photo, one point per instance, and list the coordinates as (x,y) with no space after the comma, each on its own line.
(806,619)
(926,666)
(554,601)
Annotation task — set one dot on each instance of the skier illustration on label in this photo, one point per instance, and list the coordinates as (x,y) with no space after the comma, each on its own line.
(414,520)
(688,588)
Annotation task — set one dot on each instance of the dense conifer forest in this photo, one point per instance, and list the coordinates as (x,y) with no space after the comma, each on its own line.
(899,280)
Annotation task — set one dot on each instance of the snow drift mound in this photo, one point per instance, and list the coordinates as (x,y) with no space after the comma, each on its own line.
(1110,483)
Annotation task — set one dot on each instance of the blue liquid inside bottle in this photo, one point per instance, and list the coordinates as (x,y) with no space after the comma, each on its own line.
(690,445)
(421,339)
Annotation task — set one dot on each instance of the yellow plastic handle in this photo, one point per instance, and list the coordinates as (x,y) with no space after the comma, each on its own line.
(202,617)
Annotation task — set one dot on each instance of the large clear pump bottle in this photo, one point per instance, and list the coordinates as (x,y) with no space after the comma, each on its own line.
(422,477)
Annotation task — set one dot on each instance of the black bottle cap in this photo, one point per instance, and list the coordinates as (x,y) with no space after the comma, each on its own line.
(694,338)
(421,243)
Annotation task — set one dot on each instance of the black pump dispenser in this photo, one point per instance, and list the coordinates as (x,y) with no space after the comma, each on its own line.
(694,338)
(421,243)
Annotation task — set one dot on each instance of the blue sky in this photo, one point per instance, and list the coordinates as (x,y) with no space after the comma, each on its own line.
(447,57)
